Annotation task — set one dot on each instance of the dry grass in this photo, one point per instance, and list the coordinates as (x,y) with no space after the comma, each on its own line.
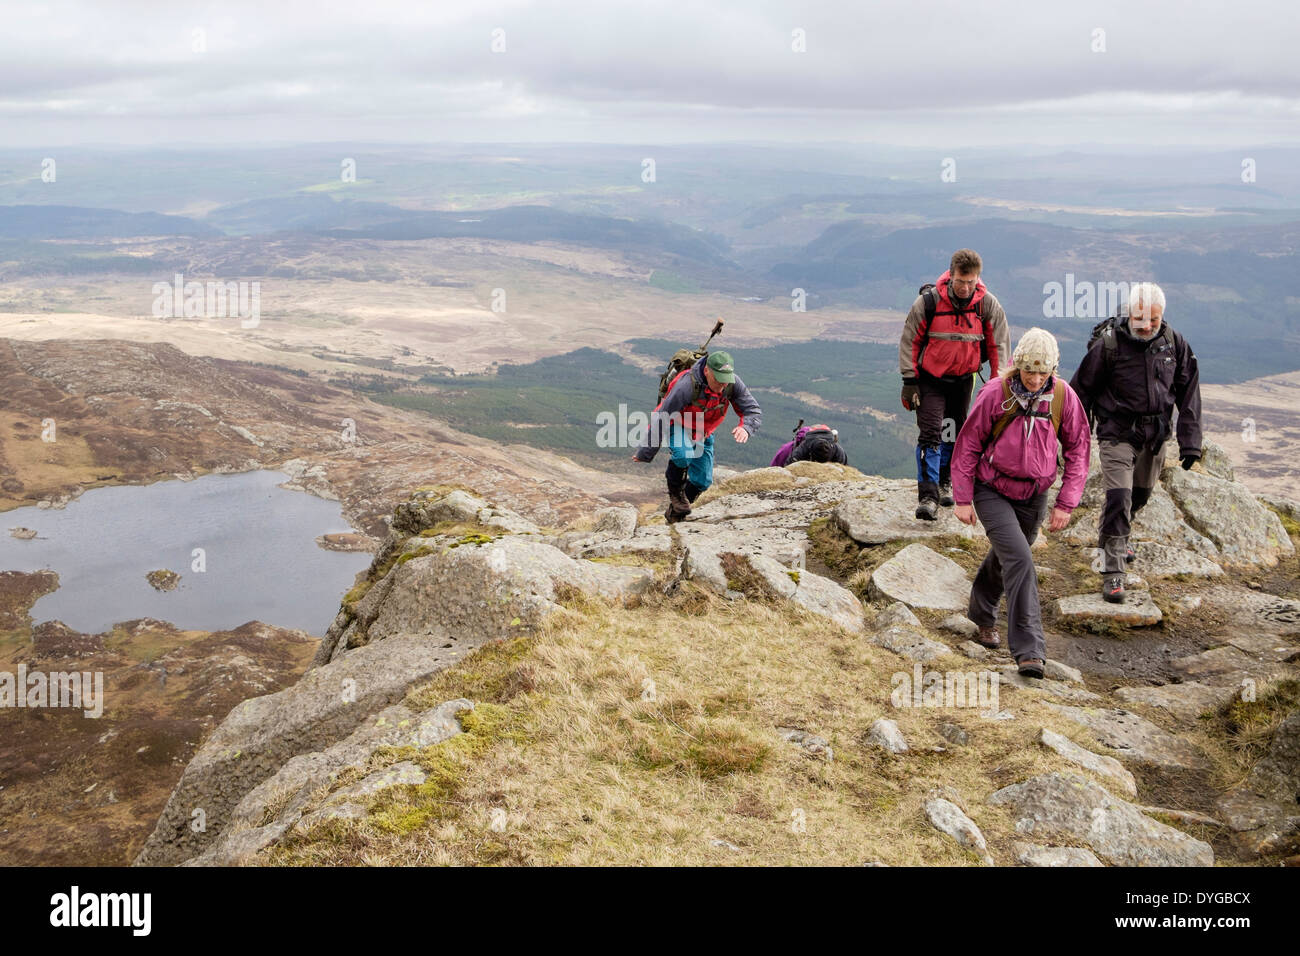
(640,736)
(780,479)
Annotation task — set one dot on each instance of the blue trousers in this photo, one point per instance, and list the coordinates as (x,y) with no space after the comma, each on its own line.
(695,457)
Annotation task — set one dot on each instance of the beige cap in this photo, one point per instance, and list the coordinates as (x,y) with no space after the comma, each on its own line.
(1037,352)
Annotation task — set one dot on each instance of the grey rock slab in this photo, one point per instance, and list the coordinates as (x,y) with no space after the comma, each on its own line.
(1138,610)
(886,735)
(1032,854)
(1134,738)
(650,541)
(1055,670)
(491,590)
(620,522)
(1214,460)
(1159,521)
(1185,701)
(910,643)
(302,781)
(1264,808)
(919,577)
(1226,666)
(1288,506)
(814,593)
(954,734)
(1259,609)
(1070,808)
(961,625)
(1010,675)
(818,748)
(1162,560)
(948,818)
(889,515)
(259,735)
(897,614)
(1108,767)
(1244,531)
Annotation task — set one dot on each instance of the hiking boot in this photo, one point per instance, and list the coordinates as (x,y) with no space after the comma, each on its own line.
(1112,588)
(679,503)
(928,509)
(1030,667)
(945,494)
(988,637)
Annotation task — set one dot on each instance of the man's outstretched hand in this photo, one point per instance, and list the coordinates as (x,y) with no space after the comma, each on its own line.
(740,434)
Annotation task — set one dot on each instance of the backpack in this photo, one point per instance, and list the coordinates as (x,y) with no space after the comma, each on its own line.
(816,435)
(1058,408)
(1105,330)
(684,359)
(931,297)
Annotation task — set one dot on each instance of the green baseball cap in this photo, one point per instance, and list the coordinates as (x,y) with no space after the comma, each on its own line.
(723,370)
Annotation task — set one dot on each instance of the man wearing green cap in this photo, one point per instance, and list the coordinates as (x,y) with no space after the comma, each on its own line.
(692,409)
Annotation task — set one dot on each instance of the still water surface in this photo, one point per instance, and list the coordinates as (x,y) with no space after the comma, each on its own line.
(258,546)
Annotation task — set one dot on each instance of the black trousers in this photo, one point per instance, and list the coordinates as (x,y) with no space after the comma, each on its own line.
(939,418)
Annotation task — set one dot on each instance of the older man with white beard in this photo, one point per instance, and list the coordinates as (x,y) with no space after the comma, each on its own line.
(1136,372)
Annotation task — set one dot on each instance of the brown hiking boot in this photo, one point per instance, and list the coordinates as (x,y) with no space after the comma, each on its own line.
(1030,667)
(928,509)
(988,637)
(678,506)
(1112,587)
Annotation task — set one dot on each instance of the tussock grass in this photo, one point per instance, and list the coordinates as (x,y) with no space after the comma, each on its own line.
(640,735)
(1236,735)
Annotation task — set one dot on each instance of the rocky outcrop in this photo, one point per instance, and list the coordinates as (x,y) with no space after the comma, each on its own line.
(888,515)
(1066,807)
(1134,738)
(1243,530)
(456,572)
(260,735)
(290,799)
(1263,811)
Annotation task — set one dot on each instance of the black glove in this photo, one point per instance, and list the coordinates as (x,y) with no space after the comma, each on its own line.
(911,396)
(1189,460)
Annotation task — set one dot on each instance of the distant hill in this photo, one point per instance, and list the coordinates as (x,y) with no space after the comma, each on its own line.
(81,222)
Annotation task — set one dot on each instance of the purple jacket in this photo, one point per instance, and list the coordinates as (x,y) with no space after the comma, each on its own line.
(1020,466)
(782,456)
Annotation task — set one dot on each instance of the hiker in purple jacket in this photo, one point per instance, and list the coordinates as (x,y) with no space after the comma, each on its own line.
(1002,467)
(823,446)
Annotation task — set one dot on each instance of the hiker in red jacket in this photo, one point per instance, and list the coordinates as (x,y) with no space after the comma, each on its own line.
(953,327)
(1002,467)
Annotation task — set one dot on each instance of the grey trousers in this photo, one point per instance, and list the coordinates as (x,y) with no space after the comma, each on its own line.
(1128,474)
(1012,527)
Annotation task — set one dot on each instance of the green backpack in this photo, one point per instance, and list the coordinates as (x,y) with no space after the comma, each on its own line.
(685,358)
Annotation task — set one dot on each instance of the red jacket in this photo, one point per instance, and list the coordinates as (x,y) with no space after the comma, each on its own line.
(949,343)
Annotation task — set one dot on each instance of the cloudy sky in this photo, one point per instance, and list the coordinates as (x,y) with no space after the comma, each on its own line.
(985,72)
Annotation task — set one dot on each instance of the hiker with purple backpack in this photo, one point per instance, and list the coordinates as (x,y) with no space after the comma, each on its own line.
(1003,464)
(811,443)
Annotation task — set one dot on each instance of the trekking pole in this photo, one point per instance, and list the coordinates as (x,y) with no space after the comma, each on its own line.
(716,329)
